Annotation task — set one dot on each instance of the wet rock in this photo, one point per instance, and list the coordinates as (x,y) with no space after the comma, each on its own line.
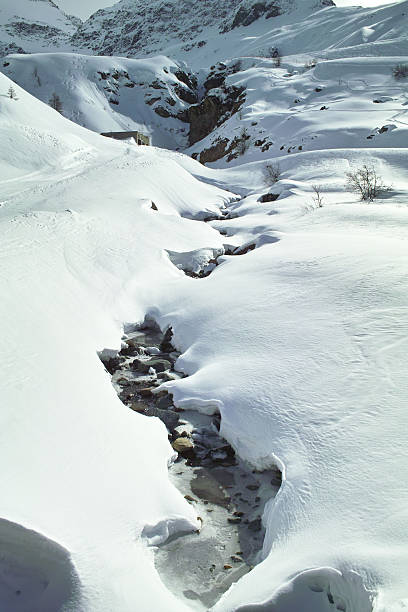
(159,365)
(164,402)
(227,566)
(168,417)
(252,487)
(146,391)
(189,498)
(139,406)
(183,445)
(166,345)
(112,364)
(236,559)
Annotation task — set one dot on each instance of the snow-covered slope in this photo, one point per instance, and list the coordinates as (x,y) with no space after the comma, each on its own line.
(34,25)
(111,94)
(82,251)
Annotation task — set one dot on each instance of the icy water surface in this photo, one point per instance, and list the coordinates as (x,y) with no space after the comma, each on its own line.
(227,494)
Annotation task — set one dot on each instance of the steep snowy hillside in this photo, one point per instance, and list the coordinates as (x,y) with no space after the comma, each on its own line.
(27,26)
(112,94)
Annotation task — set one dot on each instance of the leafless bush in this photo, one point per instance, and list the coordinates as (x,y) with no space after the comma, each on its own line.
(318,196)
(400,71)
(242,142)
(12,93)
(272,173)
(366,182)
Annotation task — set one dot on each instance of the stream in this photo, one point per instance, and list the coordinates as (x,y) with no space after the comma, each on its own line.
(227,494)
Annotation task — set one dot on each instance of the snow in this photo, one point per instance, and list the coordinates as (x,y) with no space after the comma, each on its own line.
(300,344)
(82,247)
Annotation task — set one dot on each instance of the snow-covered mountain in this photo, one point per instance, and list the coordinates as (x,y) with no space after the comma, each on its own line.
(28,26)
(130,27)
(228,100)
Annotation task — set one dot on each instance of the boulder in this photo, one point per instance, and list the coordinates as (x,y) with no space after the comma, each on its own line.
(183,445)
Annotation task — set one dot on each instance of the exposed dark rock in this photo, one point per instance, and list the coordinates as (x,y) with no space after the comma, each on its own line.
(212,111)
(162,112)
(166,345)
(248,14)
(216,151)
(186,94)
(151,101)
(216,80)
(269,197)
(188,79)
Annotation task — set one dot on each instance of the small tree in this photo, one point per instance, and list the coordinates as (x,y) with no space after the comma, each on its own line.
(318,196)
(272,173)
(12,93)
(366,182)
(55,102)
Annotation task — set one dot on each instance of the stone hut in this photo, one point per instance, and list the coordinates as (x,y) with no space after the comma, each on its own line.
(138,137)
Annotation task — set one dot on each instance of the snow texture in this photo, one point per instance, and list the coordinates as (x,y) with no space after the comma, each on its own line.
(300,343)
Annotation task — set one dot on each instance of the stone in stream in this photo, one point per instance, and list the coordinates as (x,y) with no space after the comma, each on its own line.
(165,345)
(164,402)
(168,417)
(253,487)
(146,392)
(139,406)
(183,446)
(234,520)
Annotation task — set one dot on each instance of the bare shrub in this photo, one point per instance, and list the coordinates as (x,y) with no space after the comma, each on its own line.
(366,182)
(318,196)
(242,142)
(272,173)
(400,71)
(12,93)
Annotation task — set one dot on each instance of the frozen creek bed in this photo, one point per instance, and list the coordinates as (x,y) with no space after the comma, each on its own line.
(227,494)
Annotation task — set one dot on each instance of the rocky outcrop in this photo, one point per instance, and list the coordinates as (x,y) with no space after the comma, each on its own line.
(213,110)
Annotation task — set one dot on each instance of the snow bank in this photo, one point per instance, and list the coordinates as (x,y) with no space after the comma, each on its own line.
(82,250)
